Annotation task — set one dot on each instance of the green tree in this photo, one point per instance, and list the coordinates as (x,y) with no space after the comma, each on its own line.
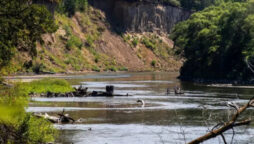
(21,26)
(217,42)
(69,7)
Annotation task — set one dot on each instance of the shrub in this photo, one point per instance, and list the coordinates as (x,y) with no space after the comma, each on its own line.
(148,43)
(74,42)
(153,63)
(38,68)
(95,68)
(96,60)
(111,68)
(126,38)
(89,41)
(17,126)
(135,42)
(123,69)
(67,30)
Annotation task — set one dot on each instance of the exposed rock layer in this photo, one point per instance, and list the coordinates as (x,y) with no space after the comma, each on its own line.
(141,16)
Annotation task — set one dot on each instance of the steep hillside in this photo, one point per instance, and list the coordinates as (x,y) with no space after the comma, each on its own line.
(87,41)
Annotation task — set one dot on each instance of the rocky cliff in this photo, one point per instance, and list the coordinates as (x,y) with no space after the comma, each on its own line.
(141,16)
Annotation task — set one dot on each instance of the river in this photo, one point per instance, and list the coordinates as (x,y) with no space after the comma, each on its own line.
(164,118)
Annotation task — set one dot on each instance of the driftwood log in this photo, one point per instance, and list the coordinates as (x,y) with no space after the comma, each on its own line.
(228,125)
(81,92)
(62,118)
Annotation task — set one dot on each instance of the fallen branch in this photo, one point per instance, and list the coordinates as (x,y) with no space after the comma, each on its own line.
(63,118)
(228,125)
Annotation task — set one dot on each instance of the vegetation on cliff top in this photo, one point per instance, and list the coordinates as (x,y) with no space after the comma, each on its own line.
(218,42)
(193,5)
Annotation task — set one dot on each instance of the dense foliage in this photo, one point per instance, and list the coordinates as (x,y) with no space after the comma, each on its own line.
(21,25)
(71,6)
(17,126)
(218,42)
(195,5)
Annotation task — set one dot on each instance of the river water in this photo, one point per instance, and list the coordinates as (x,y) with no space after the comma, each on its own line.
(164,118)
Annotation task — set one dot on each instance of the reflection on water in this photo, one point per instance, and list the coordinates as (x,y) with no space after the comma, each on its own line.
(164,119)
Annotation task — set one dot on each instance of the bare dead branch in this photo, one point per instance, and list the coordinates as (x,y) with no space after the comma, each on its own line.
(223,138)
(228,125)
(233,135)
(245,122)
(219,124)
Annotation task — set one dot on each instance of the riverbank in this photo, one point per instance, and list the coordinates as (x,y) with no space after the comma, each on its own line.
(19,126)
(217,82)
(28,77)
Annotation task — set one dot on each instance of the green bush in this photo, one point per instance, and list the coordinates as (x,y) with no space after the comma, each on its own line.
(28,130)
(17,126)
(123,69)
(96,60)
(126,37)
(74,42)
(153,63)
(148,43)
(38,68)
(67,30)
(135,42)
(111,68)
(89,41)
(95,68)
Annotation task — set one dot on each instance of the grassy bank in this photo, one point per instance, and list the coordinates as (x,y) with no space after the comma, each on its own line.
(18,126)
(47,85)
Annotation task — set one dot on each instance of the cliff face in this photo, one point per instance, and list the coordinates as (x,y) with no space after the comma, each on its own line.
(141,16)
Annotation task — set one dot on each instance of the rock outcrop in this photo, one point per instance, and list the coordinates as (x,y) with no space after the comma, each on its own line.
(142,16)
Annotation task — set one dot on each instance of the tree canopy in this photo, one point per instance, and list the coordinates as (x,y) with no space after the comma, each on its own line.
(196,5)
(69,7)
(218,42)
(21,24)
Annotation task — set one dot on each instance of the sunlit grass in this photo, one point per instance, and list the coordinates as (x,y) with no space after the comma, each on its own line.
(17,121)
(48,85)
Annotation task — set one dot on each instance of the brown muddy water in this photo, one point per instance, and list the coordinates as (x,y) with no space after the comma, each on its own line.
(164,118)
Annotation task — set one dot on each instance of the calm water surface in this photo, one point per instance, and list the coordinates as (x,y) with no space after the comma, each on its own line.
(164,119)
